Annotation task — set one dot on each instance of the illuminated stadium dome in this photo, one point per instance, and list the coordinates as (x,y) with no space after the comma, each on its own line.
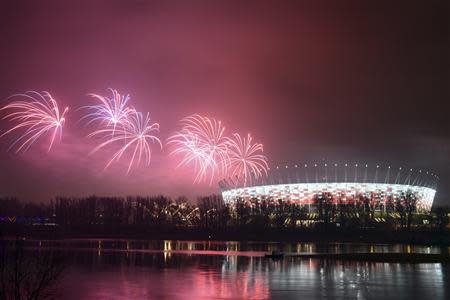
(305,185)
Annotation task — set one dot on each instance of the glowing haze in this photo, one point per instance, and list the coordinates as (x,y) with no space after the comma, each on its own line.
(35,114)
(202,142)
(350,81)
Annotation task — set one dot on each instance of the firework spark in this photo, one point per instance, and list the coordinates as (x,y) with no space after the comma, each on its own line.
(201,141)
(136,135)
(111,111)
(37,114)
(187,145)
(246,161)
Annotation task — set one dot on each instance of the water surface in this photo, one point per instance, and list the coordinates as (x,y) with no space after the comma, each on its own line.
(126,269)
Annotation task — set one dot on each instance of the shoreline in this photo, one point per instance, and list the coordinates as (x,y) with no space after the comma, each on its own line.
(375,257)
(413,237)
(380,257)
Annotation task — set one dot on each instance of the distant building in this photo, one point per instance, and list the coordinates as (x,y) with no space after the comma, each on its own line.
(339,185)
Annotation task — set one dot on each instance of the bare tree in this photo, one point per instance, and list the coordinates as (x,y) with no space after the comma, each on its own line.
(28,274)
(324,203)
(411,206)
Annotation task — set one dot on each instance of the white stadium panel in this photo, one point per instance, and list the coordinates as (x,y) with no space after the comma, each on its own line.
(303,193)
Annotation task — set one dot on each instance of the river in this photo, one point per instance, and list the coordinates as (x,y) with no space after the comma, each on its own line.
(131,269)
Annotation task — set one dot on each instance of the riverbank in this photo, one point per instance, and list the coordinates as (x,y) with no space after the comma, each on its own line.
(286,251)
(418,237)
(380,257)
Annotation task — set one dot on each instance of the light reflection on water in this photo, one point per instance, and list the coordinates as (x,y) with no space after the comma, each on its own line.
(166,274)
(241,248)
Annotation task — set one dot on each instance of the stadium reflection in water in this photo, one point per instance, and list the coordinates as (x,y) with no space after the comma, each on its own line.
(102,274)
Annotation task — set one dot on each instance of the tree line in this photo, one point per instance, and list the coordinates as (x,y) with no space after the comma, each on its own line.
(113,214)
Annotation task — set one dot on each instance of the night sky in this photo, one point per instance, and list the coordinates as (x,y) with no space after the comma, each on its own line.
(344,81)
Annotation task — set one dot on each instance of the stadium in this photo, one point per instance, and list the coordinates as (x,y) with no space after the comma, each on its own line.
(310,185)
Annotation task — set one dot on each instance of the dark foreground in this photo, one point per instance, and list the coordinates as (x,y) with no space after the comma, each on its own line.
(421,236)
(104,268)
(230,270)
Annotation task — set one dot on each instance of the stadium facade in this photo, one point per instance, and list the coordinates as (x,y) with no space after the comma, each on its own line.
(346,185)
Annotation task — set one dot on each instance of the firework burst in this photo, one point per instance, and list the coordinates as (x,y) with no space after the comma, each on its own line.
(188,146)
(136,136)
(37,114)
(201,142)
(112,111)
(246,161)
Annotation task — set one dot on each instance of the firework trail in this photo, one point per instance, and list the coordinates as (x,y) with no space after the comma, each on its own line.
(37,114)
(246,161)
(110,111)
(201,142)
(135,135)
(187,145)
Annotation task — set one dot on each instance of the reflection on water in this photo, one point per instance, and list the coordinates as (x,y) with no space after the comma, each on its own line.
(238,248)
(167,274)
